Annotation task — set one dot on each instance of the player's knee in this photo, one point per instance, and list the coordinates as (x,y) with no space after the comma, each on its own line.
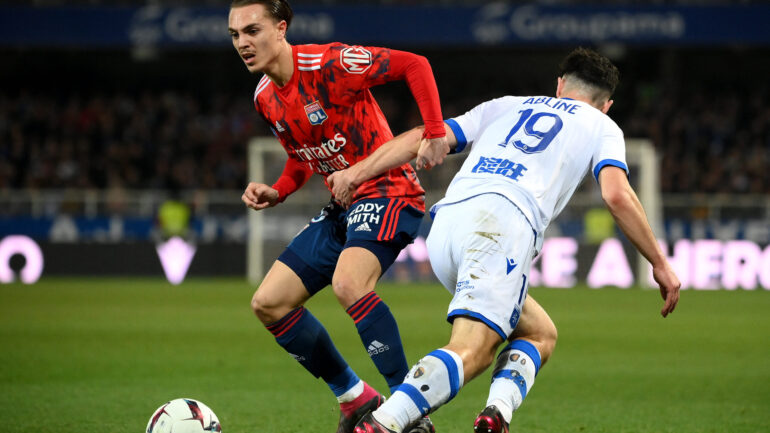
(347,291)
(257,304)
(265,310)
(547,340)
(341,288)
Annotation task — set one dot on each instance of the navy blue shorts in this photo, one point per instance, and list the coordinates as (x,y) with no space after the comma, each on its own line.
(383,226)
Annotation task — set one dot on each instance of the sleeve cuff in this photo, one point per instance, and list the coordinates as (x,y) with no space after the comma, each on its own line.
(605,162)
(459,135)
(434,130)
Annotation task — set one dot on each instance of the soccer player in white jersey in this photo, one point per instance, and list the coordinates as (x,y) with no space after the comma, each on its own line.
(527,157)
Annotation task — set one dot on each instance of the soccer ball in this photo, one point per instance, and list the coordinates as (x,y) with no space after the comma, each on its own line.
(183,415)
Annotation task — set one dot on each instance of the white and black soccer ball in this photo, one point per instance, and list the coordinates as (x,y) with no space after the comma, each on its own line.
(183,415)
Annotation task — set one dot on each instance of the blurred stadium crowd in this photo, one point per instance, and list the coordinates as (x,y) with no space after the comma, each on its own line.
(711,139)
(166,141)
(102,126)
(182,119)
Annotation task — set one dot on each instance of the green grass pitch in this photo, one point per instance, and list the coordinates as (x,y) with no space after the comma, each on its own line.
(99,355)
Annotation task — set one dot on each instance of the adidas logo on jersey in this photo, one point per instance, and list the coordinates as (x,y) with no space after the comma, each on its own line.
(376,348)
(364,227)
(278,127)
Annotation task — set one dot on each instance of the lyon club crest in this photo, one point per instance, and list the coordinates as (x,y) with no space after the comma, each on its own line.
(315,113)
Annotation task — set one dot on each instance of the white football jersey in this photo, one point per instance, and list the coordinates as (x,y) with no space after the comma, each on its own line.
(534,151)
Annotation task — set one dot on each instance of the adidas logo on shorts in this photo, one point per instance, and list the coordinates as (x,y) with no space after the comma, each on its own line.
(364,227)
(376,347)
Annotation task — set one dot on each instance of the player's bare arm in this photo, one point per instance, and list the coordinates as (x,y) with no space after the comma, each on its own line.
(393,153)
(622,202)
(259,196)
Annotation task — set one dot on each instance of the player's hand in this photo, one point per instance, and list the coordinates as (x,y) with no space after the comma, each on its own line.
(259,196)
(432,152)
(669,287)
(342,186)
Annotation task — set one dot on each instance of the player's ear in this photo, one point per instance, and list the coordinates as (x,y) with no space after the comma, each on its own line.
(607,106)
(282,26)
(559,86)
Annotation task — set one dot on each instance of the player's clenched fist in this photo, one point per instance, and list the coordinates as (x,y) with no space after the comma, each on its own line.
(259,196)
(342,186)
(432,152)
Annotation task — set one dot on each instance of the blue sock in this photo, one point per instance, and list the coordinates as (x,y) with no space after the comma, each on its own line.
(379,333)
(307,341)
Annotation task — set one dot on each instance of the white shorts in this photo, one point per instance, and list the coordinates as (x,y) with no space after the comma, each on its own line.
(481,250)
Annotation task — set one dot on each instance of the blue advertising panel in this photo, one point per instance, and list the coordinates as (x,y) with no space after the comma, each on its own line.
(492,24)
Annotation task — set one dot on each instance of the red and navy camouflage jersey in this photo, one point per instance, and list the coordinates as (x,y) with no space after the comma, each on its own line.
(327,119)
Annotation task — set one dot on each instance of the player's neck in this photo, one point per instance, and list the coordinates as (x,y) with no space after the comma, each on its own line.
(281,70)
(577,96)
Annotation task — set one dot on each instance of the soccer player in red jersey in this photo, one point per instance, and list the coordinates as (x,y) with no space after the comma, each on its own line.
(316,100)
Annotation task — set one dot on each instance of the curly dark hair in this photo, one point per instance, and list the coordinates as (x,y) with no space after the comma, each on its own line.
(280,10)
(592,68)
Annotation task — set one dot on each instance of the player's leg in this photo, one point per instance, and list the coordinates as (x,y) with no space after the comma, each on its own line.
(530,346)
(278,303)
(356,273)
(474,253)
(377,230)
(536,327)
(303,269)
(438,376)
(280,292)
(358,269)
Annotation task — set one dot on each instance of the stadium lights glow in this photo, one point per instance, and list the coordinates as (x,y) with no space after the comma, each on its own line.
(610,266)
(700,264)
(33,256)
(710,264)
(557,263)
(175,256)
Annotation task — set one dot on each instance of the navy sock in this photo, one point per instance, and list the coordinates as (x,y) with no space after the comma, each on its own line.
(379,333)
(307,341)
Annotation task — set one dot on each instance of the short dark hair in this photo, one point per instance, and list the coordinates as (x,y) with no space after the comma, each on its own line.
(592,68)
(278,9)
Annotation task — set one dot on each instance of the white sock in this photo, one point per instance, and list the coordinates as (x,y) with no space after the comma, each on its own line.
(432,382)
(400,413)
(513,376)
(352,393)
